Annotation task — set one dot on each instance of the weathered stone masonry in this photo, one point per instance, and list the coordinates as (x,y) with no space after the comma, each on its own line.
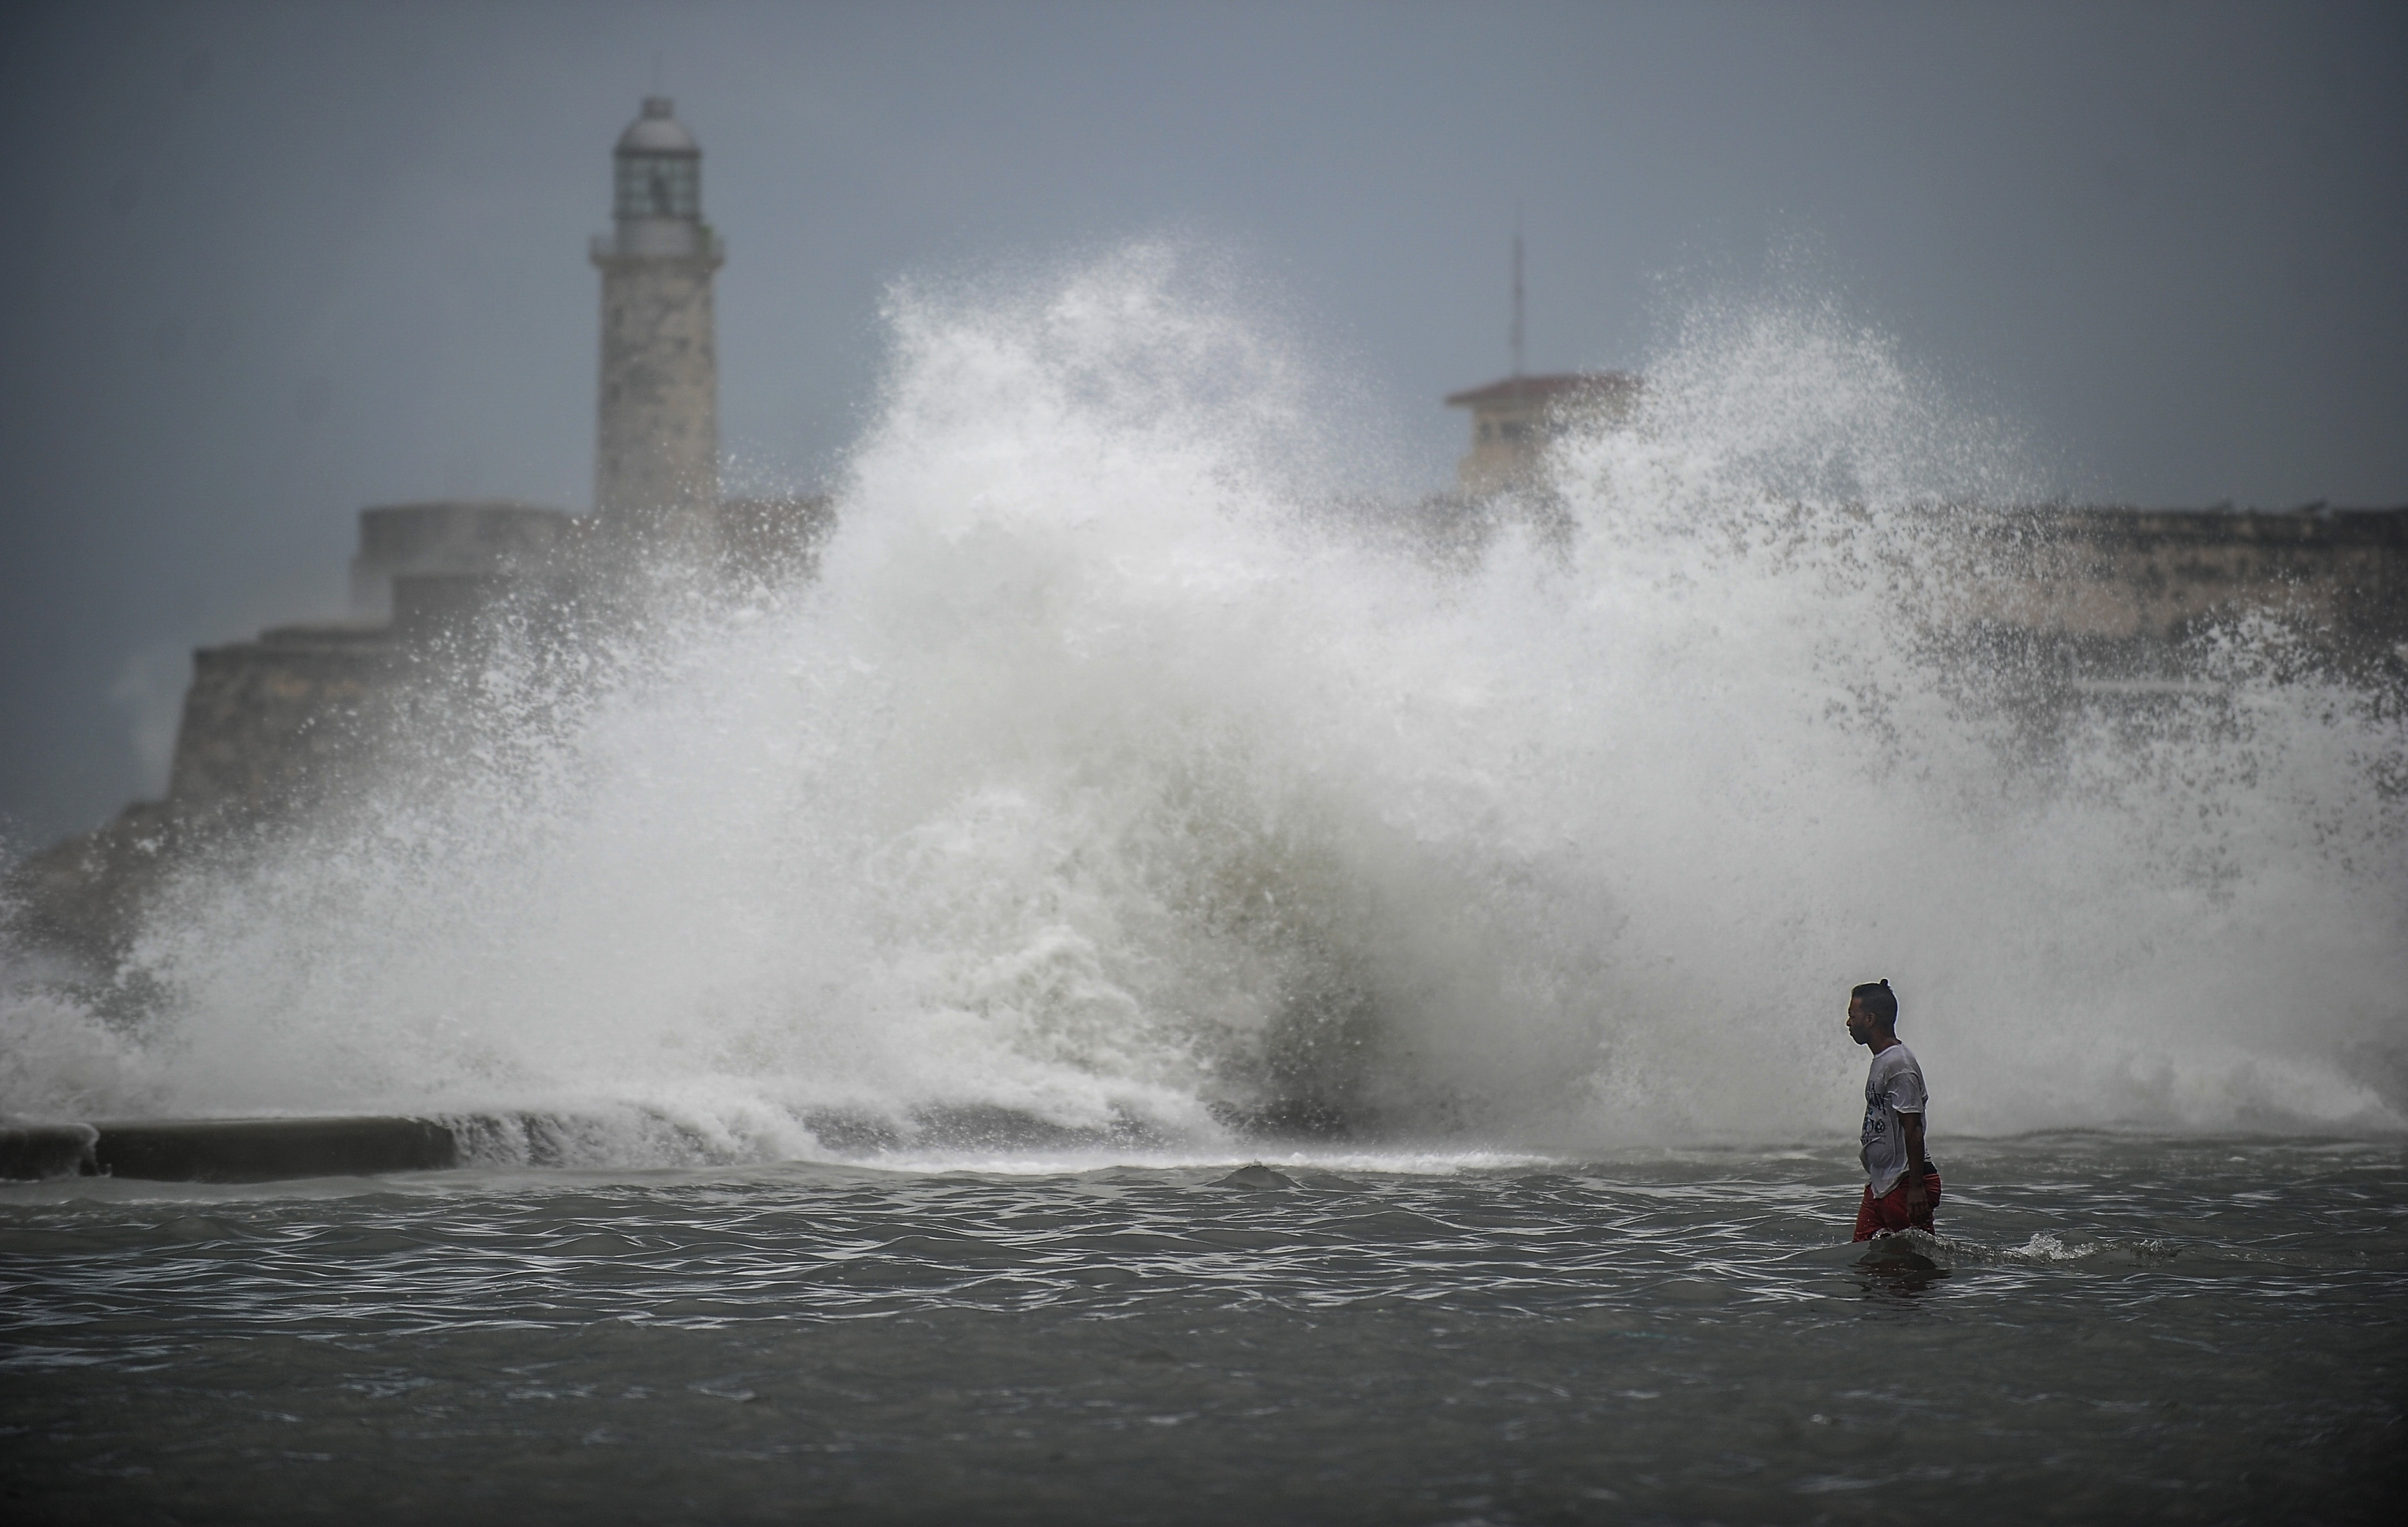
(656,442)
(304,718)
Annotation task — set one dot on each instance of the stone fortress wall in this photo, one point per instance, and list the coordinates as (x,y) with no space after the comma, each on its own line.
(278,728)
(2132,574)
(270,726)
(2090,579)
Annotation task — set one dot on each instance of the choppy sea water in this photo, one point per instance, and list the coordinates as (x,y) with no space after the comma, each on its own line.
(2110,1329)
(1128,771)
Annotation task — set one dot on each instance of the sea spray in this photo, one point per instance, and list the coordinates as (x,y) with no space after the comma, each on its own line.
(1121,773)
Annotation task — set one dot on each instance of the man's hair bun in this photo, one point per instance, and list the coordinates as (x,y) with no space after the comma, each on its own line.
(1879,1001)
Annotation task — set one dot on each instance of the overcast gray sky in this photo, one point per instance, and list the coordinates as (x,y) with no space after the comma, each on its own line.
(269,264)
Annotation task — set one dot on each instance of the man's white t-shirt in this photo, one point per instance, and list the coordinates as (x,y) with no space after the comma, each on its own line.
(1894,1086)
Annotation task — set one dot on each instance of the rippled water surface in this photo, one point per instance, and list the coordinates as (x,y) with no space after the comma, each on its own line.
(2113,1329)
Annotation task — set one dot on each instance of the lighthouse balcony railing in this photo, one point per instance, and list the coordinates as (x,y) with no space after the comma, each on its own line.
(679,241)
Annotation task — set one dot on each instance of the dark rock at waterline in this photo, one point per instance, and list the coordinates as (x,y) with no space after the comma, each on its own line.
(227,1149)
(83,896)
(1256,1176)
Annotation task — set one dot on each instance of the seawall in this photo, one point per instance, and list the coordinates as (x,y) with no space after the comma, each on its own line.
(226,1149)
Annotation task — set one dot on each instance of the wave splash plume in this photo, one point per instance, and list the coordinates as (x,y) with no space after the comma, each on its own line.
(1121,775)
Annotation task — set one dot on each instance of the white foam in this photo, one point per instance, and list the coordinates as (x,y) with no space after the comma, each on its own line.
(1106,775)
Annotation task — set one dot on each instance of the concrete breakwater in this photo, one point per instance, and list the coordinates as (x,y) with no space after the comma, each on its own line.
(226,1149)
(280,1149)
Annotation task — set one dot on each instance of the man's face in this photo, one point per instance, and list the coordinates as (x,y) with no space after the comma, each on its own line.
(1860,1023)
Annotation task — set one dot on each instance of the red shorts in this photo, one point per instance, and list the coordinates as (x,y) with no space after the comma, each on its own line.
(1876,1216)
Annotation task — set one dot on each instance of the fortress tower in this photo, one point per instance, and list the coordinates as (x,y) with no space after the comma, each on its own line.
(1513,422)
(656,458)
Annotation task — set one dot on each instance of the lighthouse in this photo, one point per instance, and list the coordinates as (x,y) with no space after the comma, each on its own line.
(656,442)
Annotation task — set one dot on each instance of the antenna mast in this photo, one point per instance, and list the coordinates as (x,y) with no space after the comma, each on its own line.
(1517,293)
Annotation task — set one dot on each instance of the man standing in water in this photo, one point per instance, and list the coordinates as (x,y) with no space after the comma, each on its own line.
(1902,1187)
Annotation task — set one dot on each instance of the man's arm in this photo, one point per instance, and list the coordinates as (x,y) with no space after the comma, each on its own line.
(1918,1201)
